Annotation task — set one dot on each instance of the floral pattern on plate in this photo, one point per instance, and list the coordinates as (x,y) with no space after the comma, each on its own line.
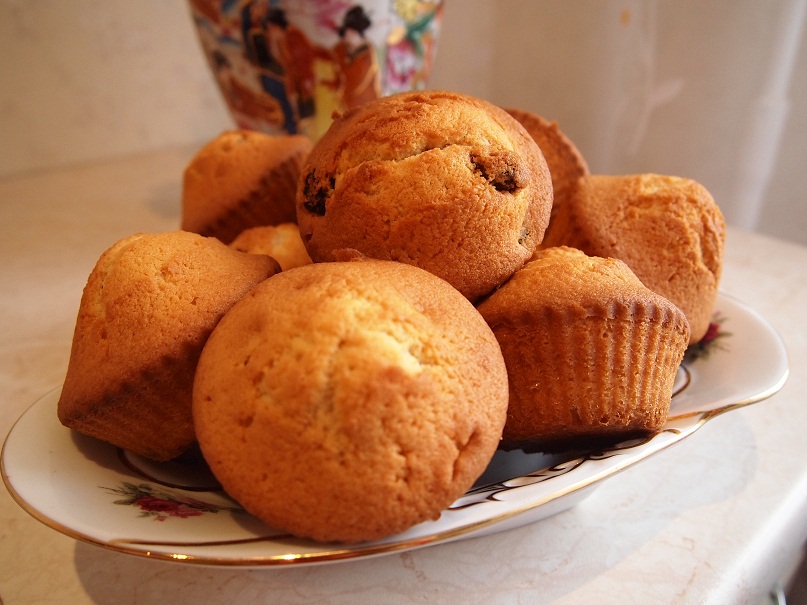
(160,505)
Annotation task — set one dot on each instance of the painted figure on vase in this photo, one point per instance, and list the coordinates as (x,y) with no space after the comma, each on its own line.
(355,56)
(287,65)
(242,98)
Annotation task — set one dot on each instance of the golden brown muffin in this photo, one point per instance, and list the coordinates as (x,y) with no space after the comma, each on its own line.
(667,229)
(442,181)
(347,401)
(591,353)
(281,242)
(566,163)
(148,307)
(242,179)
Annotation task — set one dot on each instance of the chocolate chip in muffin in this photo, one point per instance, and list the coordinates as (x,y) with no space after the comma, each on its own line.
(316,194)
(500,168)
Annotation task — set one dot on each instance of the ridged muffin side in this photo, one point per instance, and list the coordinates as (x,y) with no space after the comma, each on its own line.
(591,353)
(147,309)
(242,179)
(667,229)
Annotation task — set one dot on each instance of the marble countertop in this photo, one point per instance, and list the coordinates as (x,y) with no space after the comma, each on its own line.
(715,519)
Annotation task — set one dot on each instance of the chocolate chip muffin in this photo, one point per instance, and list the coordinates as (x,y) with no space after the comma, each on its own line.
(443,181)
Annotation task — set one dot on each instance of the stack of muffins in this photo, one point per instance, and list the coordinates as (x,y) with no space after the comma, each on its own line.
(357,325)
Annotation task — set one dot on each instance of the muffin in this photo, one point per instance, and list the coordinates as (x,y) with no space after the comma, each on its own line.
(242,179)
(591,353)
(281,242)
(667,229)
(148,307)
(446,182)
(566,163)
(347,401)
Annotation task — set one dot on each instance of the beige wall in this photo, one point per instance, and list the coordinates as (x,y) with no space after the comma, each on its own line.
(83,79)
(711,89)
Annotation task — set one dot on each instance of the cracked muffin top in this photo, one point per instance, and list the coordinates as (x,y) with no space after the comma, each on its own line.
(443,181)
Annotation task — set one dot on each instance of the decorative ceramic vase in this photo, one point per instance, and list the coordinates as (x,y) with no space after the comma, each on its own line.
(284,66)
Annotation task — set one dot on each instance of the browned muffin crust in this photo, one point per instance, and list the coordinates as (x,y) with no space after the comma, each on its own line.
(242,179)
(565,161)
(443,181)
(347,401)
(591,353)
(281,242)
(667,229)
(147,309)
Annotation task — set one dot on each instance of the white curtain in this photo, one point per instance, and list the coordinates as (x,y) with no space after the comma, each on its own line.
(715,90)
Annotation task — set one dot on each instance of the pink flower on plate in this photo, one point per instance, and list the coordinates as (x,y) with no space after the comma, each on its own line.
(166,508)
(162,505)
(712,340)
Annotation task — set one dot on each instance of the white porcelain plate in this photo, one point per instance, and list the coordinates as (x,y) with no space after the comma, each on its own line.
(102,495)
